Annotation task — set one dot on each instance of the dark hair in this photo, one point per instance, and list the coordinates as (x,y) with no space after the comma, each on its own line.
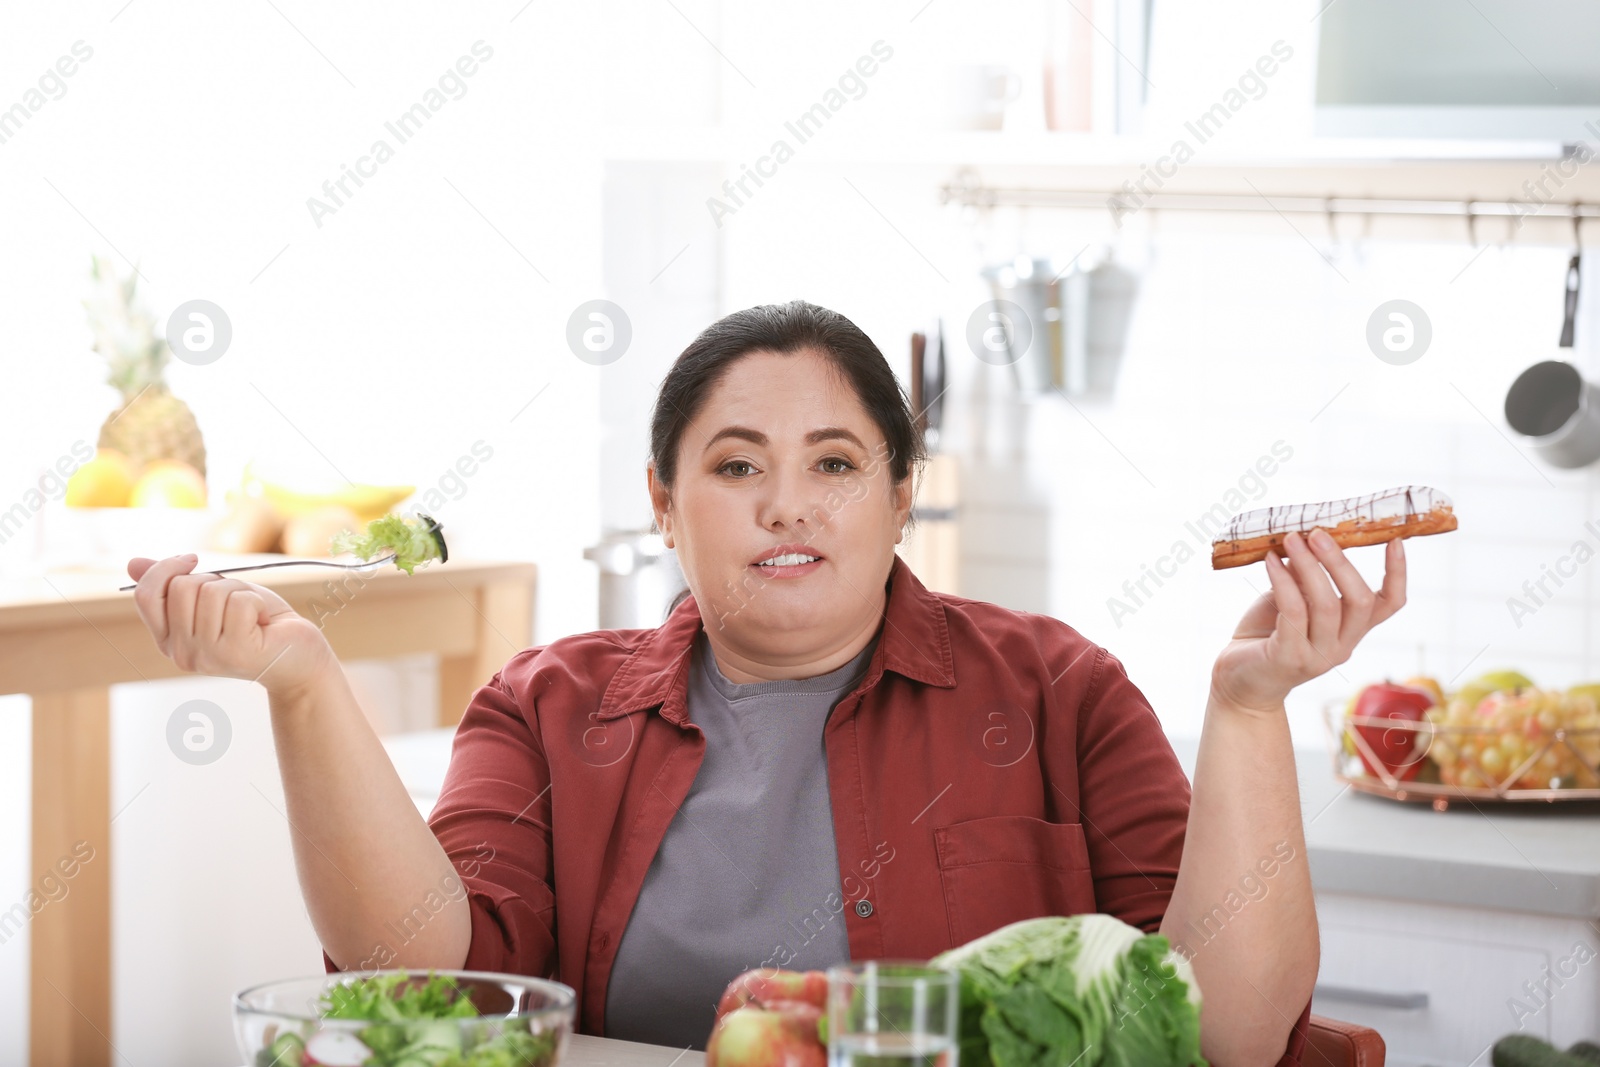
(783,328)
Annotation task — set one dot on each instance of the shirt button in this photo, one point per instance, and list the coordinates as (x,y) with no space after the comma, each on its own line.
(863,908)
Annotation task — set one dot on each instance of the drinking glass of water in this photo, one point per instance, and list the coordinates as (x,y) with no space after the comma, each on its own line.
(892,1013)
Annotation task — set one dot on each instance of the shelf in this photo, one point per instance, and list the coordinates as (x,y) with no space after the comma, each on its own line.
(957,148)
(1494,180)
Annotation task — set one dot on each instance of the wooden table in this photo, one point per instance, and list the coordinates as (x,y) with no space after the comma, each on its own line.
(69,635)
(588,1051)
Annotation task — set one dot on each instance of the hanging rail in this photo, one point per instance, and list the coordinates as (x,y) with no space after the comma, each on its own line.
(1000,196)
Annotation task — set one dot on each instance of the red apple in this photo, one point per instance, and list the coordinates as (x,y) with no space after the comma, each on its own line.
(1396,748)
(753,1036)
(802,1011)
(766,984)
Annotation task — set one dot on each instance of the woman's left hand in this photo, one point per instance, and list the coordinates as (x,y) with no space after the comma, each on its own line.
(1302,629)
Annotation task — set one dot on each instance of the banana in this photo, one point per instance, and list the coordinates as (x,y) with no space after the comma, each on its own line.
(367,501)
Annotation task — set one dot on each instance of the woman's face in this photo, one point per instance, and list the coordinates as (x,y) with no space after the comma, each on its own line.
(782,456)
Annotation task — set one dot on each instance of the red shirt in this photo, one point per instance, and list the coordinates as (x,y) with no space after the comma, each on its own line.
(992,765)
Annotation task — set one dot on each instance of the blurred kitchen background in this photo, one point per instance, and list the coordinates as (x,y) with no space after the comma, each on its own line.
(1205,214)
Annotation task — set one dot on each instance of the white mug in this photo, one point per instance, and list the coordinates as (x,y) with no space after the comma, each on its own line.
(976,95)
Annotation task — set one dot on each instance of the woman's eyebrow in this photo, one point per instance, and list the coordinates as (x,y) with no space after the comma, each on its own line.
(756,437)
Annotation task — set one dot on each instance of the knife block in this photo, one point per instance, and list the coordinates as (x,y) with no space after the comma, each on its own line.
(932,547)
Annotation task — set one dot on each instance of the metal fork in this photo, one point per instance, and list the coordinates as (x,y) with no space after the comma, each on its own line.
(286,563)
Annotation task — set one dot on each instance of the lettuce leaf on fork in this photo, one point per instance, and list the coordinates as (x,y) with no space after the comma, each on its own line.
(415,542)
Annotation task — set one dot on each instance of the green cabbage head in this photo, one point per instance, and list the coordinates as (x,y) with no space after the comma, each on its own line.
(1079,990)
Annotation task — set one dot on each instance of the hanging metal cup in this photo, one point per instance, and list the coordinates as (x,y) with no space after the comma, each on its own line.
(1558,410)
(1027,312)
(1042,309)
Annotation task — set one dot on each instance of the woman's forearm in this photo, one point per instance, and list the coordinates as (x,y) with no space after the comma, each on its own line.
(378,886)
(1242,909)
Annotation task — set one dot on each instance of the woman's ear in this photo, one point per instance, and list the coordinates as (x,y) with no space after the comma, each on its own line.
(660,503)
(902,506)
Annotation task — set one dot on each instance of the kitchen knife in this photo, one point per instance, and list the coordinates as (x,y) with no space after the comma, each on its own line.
(934,384)
(918,346)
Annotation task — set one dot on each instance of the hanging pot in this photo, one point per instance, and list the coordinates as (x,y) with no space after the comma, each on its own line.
(1558,411)
(639,578)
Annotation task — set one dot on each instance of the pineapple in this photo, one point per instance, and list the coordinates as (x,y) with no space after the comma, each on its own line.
(151,424)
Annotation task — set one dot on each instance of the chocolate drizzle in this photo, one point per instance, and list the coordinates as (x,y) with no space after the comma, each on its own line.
(1400,504)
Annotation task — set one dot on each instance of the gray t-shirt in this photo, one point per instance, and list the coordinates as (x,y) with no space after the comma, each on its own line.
(747,875)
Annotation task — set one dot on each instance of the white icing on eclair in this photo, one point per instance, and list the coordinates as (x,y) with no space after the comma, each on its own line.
(1403,503)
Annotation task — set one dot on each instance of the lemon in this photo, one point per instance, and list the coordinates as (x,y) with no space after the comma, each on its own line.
(106,481)
(169,483)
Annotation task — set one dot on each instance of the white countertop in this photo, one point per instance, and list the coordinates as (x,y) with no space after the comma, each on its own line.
(1534,857)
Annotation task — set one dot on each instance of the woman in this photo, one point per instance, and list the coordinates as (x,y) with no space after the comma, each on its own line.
(814,758)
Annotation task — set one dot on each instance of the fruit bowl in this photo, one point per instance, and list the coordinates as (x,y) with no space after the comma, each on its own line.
(519,1022)
(109,537)
(1525,744)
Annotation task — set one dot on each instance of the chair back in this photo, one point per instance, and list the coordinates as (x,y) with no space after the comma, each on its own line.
(1333,1043)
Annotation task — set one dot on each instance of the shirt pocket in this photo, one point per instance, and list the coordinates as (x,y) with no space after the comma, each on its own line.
(1005,868)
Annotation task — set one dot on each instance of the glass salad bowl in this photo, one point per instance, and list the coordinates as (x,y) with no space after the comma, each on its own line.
(405,1019)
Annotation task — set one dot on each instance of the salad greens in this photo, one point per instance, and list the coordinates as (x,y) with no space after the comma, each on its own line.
(413,541)
(415,1023)
(376,999)
(1081,989)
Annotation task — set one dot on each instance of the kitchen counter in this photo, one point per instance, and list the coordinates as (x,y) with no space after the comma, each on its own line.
(1542,858)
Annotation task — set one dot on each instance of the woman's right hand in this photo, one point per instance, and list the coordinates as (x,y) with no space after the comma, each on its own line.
(215,625)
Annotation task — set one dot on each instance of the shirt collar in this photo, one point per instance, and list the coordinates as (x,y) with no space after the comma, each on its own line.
(915,643)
